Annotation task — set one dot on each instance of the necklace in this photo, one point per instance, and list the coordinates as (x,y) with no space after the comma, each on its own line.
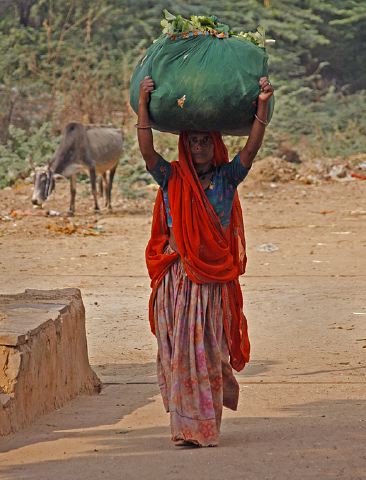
(206,179)
(203,175)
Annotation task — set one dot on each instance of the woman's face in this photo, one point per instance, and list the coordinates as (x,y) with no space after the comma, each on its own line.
(201,146)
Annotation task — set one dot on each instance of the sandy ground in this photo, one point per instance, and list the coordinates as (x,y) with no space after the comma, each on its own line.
(302,411)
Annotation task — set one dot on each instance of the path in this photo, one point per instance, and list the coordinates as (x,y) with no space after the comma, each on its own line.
(302,411)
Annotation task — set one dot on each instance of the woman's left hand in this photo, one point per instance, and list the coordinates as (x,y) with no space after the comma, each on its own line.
(266,89)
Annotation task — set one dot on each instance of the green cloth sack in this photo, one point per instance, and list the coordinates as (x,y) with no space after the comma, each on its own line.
(202,83)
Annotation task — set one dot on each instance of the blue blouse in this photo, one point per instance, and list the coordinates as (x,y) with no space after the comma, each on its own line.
(220,192)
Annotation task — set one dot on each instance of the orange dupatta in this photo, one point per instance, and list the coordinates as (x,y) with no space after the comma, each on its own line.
(209,254)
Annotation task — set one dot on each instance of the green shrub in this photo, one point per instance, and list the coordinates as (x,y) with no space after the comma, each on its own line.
(38,145)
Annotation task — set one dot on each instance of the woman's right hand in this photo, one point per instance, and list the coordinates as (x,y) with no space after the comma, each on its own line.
(146,87)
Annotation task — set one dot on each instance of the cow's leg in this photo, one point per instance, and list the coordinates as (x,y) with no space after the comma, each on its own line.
(93,181)
(72,195)
(110,184)
(101,189)
(105,182)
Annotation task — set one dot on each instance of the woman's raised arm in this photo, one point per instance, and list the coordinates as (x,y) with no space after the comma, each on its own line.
(254,142)
(144,133)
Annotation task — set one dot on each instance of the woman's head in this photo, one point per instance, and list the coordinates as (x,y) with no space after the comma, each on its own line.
(201,146)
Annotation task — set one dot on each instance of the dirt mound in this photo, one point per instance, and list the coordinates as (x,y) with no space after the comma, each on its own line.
(277,170)
(274,169)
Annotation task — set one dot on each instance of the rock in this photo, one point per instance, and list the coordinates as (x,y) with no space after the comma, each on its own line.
(5,399)
(289,155)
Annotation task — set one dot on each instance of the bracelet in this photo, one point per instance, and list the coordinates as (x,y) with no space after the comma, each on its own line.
(142,126)
(261,121)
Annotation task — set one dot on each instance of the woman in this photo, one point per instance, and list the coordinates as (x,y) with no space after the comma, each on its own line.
(194,257)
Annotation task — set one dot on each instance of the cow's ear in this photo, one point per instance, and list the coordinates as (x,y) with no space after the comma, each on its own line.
(50,183)
(53,185)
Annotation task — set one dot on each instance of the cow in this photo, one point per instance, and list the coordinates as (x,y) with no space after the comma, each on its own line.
(90,148)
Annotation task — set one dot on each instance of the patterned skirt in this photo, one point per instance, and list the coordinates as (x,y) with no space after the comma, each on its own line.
(194,373)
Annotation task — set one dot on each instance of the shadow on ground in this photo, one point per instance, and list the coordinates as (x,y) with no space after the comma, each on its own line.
(320,439)
(87,413)
(115,373)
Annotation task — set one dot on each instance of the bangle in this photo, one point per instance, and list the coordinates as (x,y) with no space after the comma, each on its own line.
(261,121)
(142,126)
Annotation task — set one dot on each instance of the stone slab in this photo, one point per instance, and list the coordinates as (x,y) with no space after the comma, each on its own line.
(43,354)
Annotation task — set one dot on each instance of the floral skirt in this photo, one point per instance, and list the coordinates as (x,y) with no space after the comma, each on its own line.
(194,373)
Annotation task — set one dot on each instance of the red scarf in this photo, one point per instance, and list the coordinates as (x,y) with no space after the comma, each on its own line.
(209,254)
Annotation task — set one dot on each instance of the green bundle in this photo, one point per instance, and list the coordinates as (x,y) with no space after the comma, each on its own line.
(206,76)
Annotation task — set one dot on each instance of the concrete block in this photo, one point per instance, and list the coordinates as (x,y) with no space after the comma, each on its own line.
(43,355)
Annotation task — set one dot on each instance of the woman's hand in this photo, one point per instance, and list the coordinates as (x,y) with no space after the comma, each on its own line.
(146,87)
(266,89)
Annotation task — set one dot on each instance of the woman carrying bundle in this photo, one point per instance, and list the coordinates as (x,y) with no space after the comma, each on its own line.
(194,257)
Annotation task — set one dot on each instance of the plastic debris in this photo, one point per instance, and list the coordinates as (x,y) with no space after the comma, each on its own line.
(358,175)
(338,171)
(53,213)
(267,248)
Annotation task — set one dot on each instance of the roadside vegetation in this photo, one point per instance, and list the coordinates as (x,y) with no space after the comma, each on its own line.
(62,61)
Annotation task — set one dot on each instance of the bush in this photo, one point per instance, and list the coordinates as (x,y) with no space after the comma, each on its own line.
(38,145)
(330,126)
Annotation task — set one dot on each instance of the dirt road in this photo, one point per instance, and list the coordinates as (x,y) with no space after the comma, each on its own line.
(302,411)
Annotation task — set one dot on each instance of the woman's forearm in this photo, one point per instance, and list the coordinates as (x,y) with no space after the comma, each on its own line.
(145,136)
(144,132)
(255,138)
